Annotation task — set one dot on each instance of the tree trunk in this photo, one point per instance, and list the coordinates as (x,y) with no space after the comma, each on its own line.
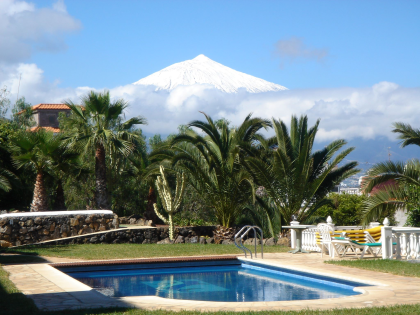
(150,212)
(59,203)
(101,193)
(39,201)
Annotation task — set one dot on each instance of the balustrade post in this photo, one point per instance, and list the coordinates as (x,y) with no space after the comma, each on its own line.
(386,222)
(330,222)
(293,234)
(386,232)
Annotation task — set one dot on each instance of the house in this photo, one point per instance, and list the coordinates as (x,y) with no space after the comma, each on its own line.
(46,116)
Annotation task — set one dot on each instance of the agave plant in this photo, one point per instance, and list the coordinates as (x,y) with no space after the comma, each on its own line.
(295,178)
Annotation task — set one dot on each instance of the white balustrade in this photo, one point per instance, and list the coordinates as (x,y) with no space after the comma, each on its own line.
(309,240)
(407,241)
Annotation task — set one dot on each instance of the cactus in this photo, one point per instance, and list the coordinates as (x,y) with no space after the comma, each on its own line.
(170,205)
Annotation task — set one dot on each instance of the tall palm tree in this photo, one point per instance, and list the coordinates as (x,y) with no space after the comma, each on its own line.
(295,178)
(33,150)
(406,177)
(212,164)
(97,127)
(64,163)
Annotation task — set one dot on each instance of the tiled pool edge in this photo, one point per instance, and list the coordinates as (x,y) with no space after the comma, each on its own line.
(325,274)
(84,297)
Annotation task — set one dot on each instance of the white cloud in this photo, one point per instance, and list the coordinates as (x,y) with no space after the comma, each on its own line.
(25,29)
(345,112)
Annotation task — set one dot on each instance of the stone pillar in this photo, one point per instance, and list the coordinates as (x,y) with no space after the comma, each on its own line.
(293,234)
(386,234)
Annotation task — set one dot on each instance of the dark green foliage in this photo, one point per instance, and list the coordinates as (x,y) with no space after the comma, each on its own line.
(22,114)
(194,211)
(155,141)
(20,195)
(413,205)
(264,214)
(406,176)
(295,178)
(212,164)
(344,209)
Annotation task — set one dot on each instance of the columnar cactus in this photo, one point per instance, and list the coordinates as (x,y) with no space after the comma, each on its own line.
(170,205)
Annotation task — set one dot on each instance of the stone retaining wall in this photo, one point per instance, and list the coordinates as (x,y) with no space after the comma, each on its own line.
(160,235)
(38,227)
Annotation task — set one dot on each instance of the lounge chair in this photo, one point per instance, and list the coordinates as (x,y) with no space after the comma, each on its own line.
(346,244)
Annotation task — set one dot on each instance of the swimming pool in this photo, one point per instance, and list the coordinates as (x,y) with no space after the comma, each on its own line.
(230,280)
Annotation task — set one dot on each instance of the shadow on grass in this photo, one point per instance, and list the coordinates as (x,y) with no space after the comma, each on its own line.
(34,249)
(20,259)
(11,300)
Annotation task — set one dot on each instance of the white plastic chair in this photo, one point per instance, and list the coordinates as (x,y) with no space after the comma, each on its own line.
(325,232)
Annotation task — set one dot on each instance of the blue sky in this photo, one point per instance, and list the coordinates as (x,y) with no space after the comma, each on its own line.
(119,42)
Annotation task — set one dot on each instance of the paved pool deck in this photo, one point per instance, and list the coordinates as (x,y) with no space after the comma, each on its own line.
(53,290)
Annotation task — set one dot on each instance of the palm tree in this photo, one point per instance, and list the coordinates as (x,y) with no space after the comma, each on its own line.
(33,150)
(4,181)
(97,127)
(406,177)
(63,164)
(295,178)
(397,179)
(212,164)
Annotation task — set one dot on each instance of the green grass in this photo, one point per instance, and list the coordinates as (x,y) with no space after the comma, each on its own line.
(117,251)
(396,267)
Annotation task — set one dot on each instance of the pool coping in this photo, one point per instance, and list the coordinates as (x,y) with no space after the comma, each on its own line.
(386,289)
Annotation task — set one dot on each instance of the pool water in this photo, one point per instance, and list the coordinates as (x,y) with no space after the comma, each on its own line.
(240,282)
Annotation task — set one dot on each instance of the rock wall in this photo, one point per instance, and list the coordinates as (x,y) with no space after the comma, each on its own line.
(160,235)
(20,230)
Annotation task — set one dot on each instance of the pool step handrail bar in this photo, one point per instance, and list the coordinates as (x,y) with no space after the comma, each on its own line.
(242,247)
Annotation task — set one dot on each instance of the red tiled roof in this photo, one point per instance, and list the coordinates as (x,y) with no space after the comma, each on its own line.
(50,106)
(46,128)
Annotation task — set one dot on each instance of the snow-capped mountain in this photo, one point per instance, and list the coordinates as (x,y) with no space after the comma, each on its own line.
(203,70)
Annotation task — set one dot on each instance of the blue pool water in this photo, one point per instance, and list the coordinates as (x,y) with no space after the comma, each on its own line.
(233,281)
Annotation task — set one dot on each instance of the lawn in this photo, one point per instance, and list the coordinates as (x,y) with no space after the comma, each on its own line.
(396,267)
(117,251)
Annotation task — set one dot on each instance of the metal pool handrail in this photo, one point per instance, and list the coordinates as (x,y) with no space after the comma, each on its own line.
(241,245)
